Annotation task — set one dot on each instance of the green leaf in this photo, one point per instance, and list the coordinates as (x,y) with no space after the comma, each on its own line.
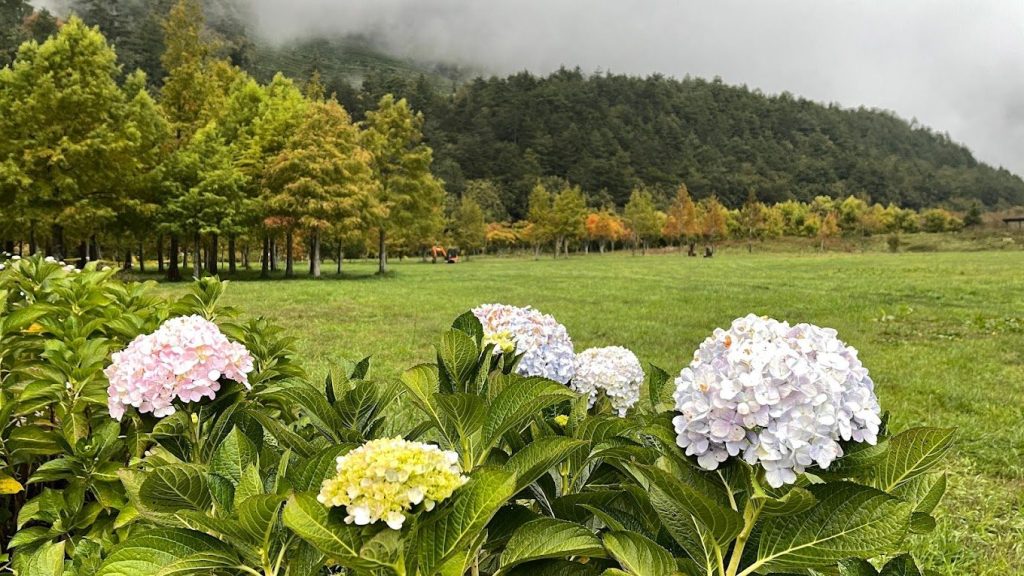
(540,456)
(175,487)
(258,515)
(460,358)
(794,501)
(470,324)
(422,384)
(911,453)
(520,401)
(902,565)
(310,474)
(233,455)
(849,521)
(157,550)
(659,397)
(556,568)
(321,414)
(924,492)
(462,416)
(921,523)
(446,532)
(282,434)
(550,538)
(856,567)
(46,560)
(680,506)
(639,555)
(328,532)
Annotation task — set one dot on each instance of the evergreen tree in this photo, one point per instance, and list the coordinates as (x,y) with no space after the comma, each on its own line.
(642,219)
(469,225)
(322,179)
(69,130)
(410,197)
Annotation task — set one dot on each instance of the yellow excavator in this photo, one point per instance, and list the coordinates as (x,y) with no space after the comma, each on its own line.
(449,256)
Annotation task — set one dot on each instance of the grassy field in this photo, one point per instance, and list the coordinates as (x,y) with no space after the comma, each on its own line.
(943,336)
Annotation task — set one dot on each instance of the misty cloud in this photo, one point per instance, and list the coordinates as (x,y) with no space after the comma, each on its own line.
(957,66)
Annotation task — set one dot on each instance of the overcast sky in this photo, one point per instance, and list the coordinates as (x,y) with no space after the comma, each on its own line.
(957,66)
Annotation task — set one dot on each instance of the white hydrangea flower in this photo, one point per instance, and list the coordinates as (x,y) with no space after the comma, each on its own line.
(782,396)
(614,371)
(384,478)
(544,343)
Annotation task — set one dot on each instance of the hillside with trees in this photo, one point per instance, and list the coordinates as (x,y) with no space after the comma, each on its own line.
(606,133)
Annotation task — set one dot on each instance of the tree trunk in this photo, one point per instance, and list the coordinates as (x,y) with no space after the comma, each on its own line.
(173,272)
(265,257)
(232,264)
(382,254)
(32,239)
(245,256)
(142,259)
(273,254)
(214,255)
(197,257)
(160,253)
(57,241)
(127,259)
(314,256)
(341,256)
(289,269)
(83,254)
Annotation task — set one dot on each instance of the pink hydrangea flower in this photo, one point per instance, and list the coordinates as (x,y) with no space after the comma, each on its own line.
(185,359)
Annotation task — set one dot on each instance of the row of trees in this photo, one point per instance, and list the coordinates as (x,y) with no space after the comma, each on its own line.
(90,157)
(560,216)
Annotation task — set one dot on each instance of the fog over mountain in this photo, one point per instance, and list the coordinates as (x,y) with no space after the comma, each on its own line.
(956,66)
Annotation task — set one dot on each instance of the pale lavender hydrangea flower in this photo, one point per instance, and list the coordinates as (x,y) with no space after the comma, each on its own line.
(544,343)
(184,360)
(613,371)
(782,396)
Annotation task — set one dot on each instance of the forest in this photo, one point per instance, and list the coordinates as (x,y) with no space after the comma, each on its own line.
(607,133)
(162,136)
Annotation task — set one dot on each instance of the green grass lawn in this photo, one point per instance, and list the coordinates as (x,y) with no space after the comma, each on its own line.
(942,334)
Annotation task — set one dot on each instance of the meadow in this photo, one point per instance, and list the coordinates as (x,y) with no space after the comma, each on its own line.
(942,333)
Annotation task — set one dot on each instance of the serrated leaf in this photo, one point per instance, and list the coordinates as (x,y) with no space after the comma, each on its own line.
(556,568)
(462,415)
(680,505)
(203,563)
(541,455)
(550,538)
(911,453)
(794,501)
(310,474)
(446,532)
(849,521)
(921,523)
(924,492)
(460,357)
(902,565)
(153,551)
(175,487)
(519,402)
(639,555)
(258,515)
(233,455)
(326,531)
(470,324)
(46,560)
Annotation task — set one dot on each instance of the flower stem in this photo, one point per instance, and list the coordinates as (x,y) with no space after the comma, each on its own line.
(751,511)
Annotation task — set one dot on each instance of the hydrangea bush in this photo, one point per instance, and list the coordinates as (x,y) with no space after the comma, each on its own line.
(184,360)
(768,456)
(612,372)
(384,479)
(783,397)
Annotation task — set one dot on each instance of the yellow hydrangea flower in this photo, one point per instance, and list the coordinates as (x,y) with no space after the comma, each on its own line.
(383,479)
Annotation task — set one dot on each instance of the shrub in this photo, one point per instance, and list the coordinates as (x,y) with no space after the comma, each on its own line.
(504,472)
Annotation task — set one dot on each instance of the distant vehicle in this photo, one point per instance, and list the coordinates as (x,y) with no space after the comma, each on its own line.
(449,256)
